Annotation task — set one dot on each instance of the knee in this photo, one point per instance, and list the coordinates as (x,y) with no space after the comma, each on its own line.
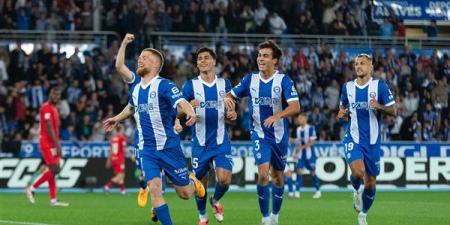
(224,183)
(278,181)
(370,183)
(359,173)
(184,194)
(155,190)
(263,178)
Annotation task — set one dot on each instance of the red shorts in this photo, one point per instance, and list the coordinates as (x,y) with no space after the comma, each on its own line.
(50,156)
(118,167)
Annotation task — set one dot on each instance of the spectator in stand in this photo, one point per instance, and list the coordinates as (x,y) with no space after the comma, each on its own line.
(401,29)
(387,29)
(277,24)
(260,15)
(431,30)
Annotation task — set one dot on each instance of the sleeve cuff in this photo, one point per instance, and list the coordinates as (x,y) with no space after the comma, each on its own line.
(177,101)
(132,79)
(390,103)
(313,138)
(292,99)
(234,94)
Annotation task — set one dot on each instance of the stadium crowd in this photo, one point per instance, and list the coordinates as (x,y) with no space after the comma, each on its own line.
(93,91)
(142,16)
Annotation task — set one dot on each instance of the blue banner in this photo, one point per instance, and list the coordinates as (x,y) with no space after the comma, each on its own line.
(244,149)
(412,9)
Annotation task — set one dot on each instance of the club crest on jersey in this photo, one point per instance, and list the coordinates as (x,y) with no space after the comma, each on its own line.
(372,95)
(152,94)
(277,89)
(221,93)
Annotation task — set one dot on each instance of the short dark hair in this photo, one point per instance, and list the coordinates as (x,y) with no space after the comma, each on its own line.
(276,50)
(369,57)
(208,50)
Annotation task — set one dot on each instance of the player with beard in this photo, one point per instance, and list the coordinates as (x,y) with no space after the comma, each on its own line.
(153,100)
(364,100)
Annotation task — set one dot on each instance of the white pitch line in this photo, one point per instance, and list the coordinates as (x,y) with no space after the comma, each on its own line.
(23,223)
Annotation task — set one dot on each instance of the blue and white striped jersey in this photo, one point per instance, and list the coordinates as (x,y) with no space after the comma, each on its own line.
(364,124)
(304,134)
(209,129)
(154,114)
(267,97)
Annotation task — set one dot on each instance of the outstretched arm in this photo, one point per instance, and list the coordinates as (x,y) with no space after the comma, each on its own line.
(111,123)
(123,70)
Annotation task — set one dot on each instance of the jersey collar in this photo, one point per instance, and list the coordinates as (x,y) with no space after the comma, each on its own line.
(268,80)
(364,85)
(206,83)
(151,81)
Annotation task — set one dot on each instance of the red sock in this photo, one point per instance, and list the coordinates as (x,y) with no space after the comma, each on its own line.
(52,185)
(43,178)
(122,187)
(109,184)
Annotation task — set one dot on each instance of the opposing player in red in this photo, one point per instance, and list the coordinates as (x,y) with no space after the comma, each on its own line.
(116,160)
(50,148)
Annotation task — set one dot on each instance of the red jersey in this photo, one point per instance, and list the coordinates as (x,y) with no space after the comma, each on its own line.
(118,144)
(48,112)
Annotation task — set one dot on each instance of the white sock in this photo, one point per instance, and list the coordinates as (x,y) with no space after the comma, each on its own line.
(203,218)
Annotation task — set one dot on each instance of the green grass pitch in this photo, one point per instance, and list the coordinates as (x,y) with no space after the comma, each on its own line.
(409,208)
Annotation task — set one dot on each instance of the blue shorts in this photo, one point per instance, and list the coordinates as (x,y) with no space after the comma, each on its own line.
(267,151)
(369,154)
(170,160)
(203,157)
(307,160)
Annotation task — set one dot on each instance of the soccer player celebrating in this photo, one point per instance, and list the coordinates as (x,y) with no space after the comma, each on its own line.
(50,148)
(116,159)
(306,137)
(364,100)
(211,143)
(152,101)
(273,98)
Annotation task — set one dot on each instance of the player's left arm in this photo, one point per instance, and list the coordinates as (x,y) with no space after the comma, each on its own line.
(51,132)
(387,103)
(175,96)
(291,96)
(229,111)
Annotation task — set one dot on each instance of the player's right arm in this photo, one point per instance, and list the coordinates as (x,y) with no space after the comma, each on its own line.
(123,70)
(111,123)
(239,91)
(343,106)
